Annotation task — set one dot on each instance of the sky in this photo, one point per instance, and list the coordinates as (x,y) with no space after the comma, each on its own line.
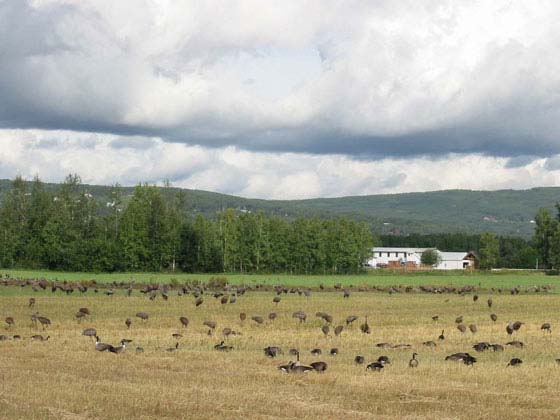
(282,99)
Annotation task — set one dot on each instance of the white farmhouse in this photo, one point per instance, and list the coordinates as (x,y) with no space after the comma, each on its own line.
(393,257)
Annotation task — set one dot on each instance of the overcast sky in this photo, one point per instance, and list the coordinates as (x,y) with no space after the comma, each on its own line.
(282,99)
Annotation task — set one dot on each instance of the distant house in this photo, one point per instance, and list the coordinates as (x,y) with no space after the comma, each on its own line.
(393,257)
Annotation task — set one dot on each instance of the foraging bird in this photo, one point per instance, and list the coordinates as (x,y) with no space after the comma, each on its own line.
(226,332)
(515,343)
(473,328)
(338,330)
(350,319)
(413,363)
(199,301)
(325,329)
(490,302)
(346,294)
(429,344)
(224,300)
(517,325)
(210,324)
(272,351)
(316,352)
(10,321)
(481,346)
(39,337)
(223,347)
(300,315)
(139,349)
(272,316)
(494,317)
(184,321)
(276,299)
(497,347)
(258,319)
(177,336)
(85,311)
(384,359)
(89,332)
(334,351)
(128,322)
(143,316)
(546,327)
(435,318)
(32,302)
(173,349)
(376,366)
(45,322)
(319,366)
(509,329)
(359,360)
(461,328)
(475,298)
(242,316)
(441,336)
(514,362)
(459,319)
(79,316)
(466,358)
(365,327)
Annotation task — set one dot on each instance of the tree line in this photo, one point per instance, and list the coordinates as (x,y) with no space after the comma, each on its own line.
(69,230)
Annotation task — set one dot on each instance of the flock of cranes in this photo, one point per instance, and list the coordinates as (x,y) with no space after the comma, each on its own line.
(229,295)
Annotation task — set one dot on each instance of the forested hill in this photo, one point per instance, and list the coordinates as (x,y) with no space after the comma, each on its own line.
(505,212)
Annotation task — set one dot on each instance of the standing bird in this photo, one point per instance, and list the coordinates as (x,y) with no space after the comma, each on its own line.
(365,327)
(413,363)
(514,362)
(441,336)
(258,319)
(325,329)
(494,317)
(32,302)
(459,319)
(272,316)
(9,321)
(435,318)
(350,319)
(224,300)
(45,322)
(199,301)
(490,302)
(143,316)
(461,328)
(90,332)
(509,328)
(359,360)
(300,315)
(475,298)
(128,323)
(338,330)
(346,294)
(276,300)
(473,328)
(546,327)
(242,316)
(184,321)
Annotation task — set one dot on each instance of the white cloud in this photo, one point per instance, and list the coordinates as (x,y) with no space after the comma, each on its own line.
(52,155)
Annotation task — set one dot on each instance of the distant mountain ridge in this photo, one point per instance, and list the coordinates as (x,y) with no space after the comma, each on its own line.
(505,212)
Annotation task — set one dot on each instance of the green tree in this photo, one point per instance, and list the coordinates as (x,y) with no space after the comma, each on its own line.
(544,231)
(489,253)
(430,257)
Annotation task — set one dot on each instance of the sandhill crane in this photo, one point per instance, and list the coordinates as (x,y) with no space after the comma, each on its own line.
(509,328)
(79,316)
(435,318)
(514,362)
(413,363)
(85,311)
(365,327)
(546,327)
(489,302)
(300,315)
(338,330)
(461,328)
(473,328)
(242,316)
(224,300)
(272,316)
(128,323)
(497,347)
(173,349)
(325,329)
(429,344)
(199,301)
(350,319)
(276,300)
(90,332)
(459,319)
(39,337)
(515,343)
(184,321)
(211,325)
(346,294)
(45,322)
(177,336)
(32,302)
(143,316)
(9,321)
(359,360)
(494,317)
(475,298)
(258,319)
(483,346)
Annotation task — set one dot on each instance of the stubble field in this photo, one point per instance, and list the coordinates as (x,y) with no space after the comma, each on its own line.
(65,377)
